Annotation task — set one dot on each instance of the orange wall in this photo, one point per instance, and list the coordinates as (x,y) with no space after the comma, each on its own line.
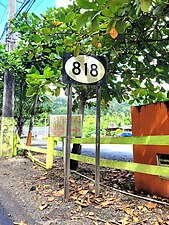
(152,119)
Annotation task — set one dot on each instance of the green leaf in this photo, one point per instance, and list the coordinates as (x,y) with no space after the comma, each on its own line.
(46,31)
(113,53)
(77,51)
(95,23)
(166,31)
(47,90)
(69,17)
(30,56)
(111,24)
(100,3)
(31,91)
(145,4)
(37,38)
(36,17)
(120,27)
(131,102)
(22,51)
(47,50)
(157,10)
(85,4)
(82,19)
(48,72)
(107,12)
(59,50)
(33,70)
(117,2)
(57,92)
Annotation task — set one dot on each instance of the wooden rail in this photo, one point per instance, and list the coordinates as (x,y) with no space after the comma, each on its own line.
(135,167)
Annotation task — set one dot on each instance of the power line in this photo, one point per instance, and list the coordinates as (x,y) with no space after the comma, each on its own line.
(4,12)
(25,3)
(30,5)
(3,16)
(38,5)
(3,5)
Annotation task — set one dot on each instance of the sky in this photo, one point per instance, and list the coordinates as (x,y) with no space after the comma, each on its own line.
(38,7)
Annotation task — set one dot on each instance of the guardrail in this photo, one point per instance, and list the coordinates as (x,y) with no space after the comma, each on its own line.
(131,166)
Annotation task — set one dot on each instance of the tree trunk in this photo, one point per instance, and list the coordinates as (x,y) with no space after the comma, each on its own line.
(20,120)
(31,124)
(8,96)
(82,104)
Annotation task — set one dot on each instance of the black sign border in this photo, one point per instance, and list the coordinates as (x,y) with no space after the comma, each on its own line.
(68,80)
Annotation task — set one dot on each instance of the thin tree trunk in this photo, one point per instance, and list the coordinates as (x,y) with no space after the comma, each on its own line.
(20,120)
(8,96)
(31,124)
(82,104)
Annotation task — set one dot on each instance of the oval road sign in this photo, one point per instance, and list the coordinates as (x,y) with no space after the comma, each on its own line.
(84,69)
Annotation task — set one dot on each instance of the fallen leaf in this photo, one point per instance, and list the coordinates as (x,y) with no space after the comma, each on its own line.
(83,203)
(129,211)
(106,203)
(43,178)
(47,192)
(43,206)
(20,223)
(50,199)
(135,219)
(91,214)
(72,181)
(151,205)
(58,193)
(95,223)
(46,186)
(83,192)
(160,220)
(73,197)
(124,221)
(58,202)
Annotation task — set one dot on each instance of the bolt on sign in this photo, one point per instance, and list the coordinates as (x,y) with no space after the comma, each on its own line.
(84,69)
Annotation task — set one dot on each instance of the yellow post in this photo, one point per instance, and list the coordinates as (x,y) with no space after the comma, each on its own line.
(6,142)
(49,153)
(15,145)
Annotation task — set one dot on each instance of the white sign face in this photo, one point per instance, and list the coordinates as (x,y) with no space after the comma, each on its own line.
(84,69)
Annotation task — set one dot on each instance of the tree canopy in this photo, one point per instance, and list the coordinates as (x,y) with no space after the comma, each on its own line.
(131,34)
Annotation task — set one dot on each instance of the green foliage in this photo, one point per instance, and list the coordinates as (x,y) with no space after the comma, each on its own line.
(89,124)
(142,37)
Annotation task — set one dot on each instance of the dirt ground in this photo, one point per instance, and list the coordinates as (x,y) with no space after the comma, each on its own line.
(32,195)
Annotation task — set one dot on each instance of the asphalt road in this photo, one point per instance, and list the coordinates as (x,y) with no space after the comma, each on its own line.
(107,151)
(4,219)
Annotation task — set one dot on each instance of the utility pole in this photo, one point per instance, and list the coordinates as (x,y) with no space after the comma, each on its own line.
(7,124)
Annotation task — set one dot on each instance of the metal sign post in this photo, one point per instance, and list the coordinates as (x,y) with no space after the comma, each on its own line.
(67,149)
(88,70)
(97,164)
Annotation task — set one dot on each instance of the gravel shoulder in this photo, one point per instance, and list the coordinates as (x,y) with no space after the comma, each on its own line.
(34,196)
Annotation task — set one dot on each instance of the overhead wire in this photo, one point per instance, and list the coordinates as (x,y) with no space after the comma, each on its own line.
(38,5)
(3,18)
(29,4)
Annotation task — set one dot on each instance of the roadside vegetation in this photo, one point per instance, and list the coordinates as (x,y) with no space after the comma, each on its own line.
(132,35)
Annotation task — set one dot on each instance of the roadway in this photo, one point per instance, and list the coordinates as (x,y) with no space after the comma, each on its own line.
(107,151)
(4,218)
